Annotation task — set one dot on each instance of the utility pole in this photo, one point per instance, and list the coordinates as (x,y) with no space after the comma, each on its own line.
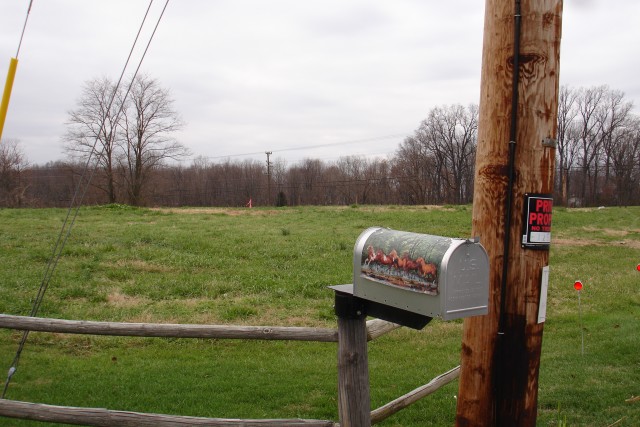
(514,170)
(268,153)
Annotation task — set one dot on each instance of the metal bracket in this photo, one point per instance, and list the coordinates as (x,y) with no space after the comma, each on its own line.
(349,306)
(549,142)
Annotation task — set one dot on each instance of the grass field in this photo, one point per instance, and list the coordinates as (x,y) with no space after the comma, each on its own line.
(272,267)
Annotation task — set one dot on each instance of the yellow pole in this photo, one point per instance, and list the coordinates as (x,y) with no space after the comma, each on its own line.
(6,95)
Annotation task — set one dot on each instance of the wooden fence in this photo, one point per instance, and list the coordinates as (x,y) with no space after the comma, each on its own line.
(106,417)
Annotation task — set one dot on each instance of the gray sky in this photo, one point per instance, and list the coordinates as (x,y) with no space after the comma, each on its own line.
(250,76)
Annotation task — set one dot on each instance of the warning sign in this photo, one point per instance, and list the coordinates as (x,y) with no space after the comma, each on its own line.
(537,221)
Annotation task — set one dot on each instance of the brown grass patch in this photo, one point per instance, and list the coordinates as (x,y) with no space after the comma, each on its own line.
(593,242)
(606,231)
(139,265)
(267,212)
(223,211)
(117,299)
(403,208)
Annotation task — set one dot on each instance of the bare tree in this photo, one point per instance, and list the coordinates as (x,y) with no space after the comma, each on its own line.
(451,134)
(149,121)
(589,139)
(417,172)
(352,176)
(613,115)
(92,131)
(445,142)
(279,173)
(12,164)
(125,133)
(566,124)
(625,161)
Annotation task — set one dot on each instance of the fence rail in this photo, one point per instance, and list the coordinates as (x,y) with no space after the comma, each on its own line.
(384,412)
(106,417)
(40,324)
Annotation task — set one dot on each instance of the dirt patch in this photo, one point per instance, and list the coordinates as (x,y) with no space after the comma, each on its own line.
(191,211)
(117,299)
(267,212)
(607,231)
(592,242)
(413,208)
(140,265)
(218,211)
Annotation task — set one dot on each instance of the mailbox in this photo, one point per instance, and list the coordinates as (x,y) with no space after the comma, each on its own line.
(421,274)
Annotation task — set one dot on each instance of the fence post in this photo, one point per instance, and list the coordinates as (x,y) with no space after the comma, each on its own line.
(354,403)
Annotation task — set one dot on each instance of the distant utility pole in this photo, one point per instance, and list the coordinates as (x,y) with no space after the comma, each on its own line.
(515,163)
(268,153)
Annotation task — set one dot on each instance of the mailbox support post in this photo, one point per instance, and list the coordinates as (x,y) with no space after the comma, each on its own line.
(354,403)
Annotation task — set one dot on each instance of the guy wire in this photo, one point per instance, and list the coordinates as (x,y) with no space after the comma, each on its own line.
(68,224)
(24,27)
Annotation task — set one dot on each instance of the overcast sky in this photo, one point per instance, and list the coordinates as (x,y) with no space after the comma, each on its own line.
(248,76)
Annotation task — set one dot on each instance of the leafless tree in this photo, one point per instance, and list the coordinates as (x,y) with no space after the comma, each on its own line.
(126,132)
(566,126)
(625,161)
(589,138)
(417,172)
(613,115)
(354,187)
(446,143)
(92,131)
(452,133)
(149,121)
(12,165)
(279,174)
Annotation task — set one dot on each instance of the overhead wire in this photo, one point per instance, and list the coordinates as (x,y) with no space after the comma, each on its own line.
(80,192)
(305,147)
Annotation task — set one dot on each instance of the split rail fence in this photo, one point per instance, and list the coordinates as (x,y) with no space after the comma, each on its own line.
(105,417)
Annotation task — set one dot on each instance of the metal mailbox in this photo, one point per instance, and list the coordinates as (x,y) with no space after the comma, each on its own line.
(428,275)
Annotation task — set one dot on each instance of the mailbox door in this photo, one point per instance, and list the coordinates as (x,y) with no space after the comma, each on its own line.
(465,281)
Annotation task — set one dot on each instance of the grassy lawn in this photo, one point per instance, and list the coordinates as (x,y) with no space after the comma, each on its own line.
(272,267)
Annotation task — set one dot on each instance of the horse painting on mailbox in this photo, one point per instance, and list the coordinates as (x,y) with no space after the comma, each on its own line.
(403,259)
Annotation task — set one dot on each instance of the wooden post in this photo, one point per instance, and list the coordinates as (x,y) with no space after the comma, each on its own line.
(499,376)
(354,403)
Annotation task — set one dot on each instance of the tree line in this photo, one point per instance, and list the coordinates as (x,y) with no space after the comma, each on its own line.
(598,152)
(122,151)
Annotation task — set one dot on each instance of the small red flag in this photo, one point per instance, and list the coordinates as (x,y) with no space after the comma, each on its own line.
(577,285)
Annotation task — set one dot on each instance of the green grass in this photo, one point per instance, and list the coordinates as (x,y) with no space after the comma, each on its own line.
(273,266)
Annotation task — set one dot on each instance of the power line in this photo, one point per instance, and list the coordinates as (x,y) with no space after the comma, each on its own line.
(307,147)
(332,144)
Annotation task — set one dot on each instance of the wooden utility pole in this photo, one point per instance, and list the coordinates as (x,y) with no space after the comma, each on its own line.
(515,157)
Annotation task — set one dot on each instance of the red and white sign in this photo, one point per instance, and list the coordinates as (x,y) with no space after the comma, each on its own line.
(537,221)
